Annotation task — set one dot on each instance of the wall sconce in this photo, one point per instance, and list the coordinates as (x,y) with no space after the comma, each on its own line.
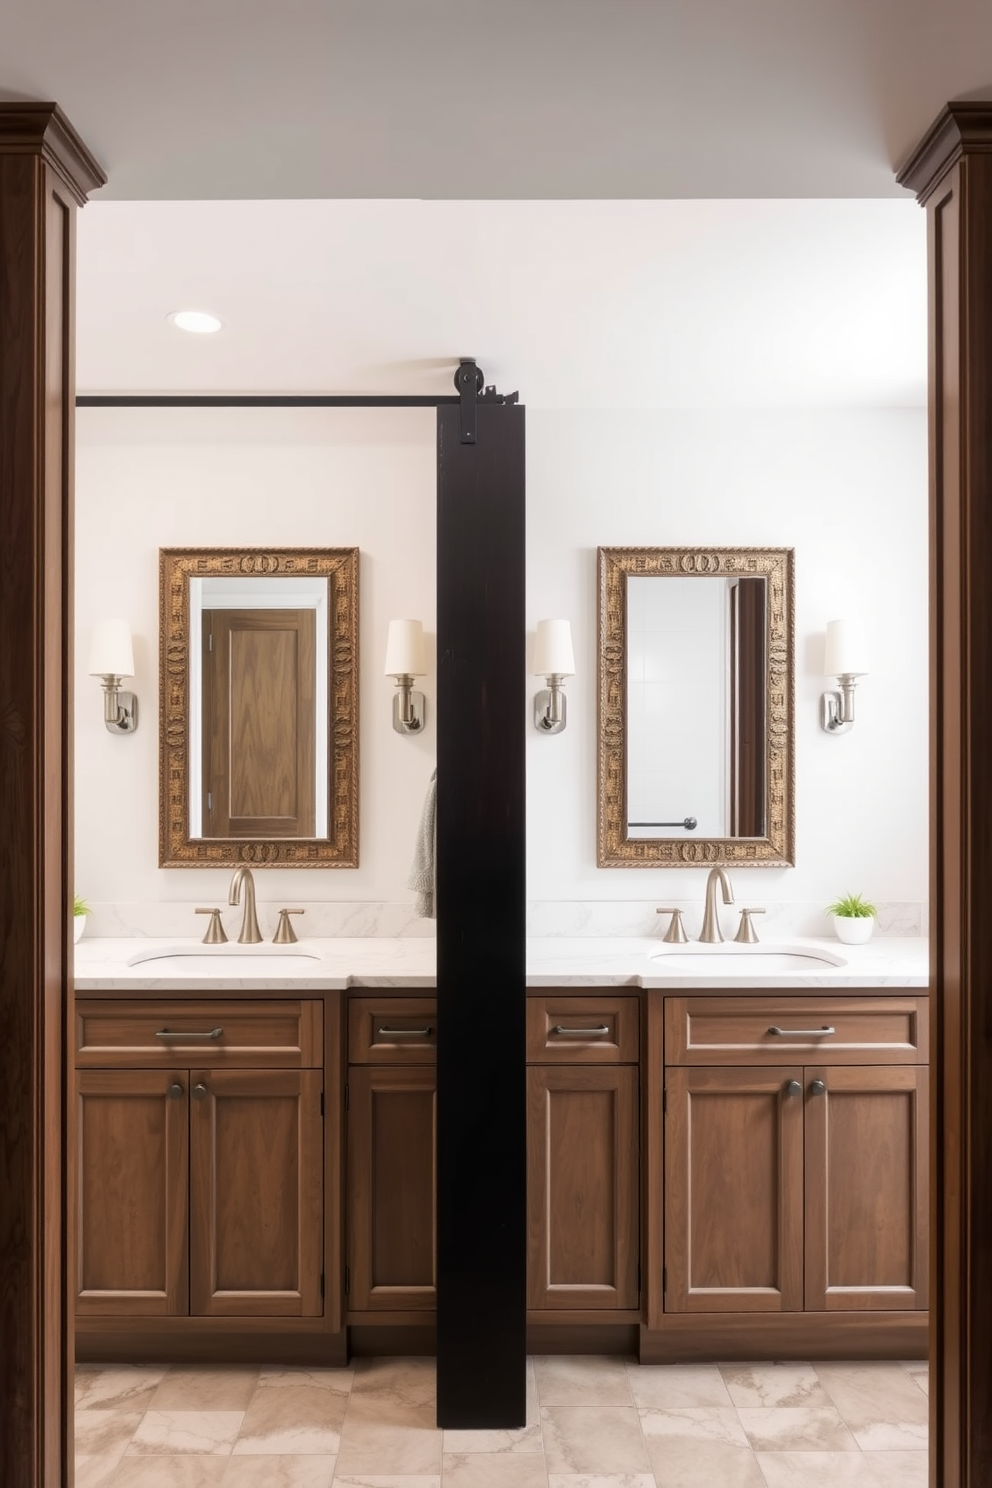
(553,660)
(846,658)
(112,658)
(406,658)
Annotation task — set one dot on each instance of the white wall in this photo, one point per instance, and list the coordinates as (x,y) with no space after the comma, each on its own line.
(846,490)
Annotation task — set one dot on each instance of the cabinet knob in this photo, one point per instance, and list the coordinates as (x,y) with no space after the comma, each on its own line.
(793,1087)
(199,1092)
(175,1092)
(817,1087)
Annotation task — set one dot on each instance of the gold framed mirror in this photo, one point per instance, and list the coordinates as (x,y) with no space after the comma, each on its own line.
(696,707)
(258,707)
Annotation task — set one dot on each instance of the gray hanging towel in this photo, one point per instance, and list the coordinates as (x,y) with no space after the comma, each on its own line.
(425,854)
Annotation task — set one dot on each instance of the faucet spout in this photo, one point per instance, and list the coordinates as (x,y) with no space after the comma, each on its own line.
(250,933)
(711,933)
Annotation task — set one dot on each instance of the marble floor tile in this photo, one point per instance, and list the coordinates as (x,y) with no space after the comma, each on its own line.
(496,1470)
(681,1463)
(101,1433)
(885,1409)
(117,1387)
(186,1431)
(313,1471)
(919,1370)
(223,1388)
(898,1469)
(398,1439)
(774,1384)
(294,1412)
(803,1428)
(817,1470)
(695,1423)
(601,1480)
(182,1470)
(568,1380)
(390,1480)
(96,1471)
(671,1385)
(593,1439)
(408,1381)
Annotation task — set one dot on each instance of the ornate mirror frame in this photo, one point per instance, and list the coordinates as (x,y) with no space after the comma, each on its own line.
(614,849)
(176,567)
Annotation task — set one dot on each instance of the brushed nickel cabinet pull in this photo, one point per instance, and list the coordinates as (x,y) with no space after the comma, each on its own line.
(404,1032)
(824,1032)
(200,1092)
(177,1033)
(584,1032)
(817,1087)
(793,1087)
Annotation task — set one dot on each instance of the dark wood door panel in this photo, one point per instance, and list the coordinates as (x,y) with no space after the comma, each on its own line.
(132,1193)
(582,1179)
(866,1189)
(256,1223)
(734,1190)
(253,1034)
(392,1137)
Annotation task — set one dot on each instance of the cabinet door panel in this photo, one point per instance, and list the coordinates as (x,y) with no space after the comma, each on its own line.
(866,1189)
(733,1190)
(256,1230)
(582,1200)
(392,1116)
(133,1192)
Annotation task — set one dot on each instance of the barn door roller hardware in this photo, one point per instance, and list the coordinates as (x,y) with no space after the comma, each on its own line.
(471,389)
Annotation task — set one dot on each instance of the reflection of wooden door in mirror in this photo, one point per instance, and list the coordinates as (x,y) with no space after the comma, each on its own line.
(259,693)
(747,707)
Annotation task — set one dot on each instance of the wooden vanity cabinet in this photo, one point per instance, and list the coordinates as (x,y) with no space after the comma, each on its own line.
(795,1169)
(201,1183)
(583,1243)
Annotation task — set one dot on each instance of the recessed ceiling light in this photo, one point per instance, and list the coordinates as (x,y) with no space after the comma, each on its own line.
(195,320)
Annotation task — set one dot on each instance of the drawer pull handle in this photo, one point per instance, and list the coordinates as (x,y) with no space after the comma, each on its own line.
(176,1033)
(582,1032)
(404,1032)
(817,1087)
(793,1087)
(802,1032)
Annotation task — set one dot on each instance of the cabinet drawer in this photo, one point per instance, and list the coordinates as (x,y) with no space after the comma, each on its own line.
(392,1030)
(582,1030)
(275,1035)
(739,1030)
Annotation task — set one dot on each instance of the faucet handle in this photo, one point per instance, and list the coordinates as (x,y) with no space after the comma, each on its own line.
(745,931)
(285,934)
(675,934)
(215,930)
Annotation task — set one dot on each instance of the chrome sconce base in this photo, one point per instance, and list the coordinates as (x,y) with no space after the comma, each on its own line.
(550,712)
(837,708)
(120,709)
(409,707)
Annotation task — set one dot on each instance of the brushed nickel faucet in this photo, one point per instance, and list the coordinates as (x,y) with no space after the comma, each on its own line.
(711,933)
(250,933)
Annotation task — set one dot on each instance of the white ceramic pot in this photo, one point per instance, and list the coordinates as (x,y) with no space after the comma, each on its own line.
(78,926)
(853,930)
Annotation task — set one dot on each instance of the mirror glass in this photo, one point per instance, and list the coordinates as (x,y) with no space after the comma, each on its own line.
(259,707)
(695,756)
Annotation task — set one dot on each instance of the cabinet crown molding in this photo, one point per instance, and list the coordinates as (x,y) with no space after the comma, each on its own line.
(29,128)
(961,128)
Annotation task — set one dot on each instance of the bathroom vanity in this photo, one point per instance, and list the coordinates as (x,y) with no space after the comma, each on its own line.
(720,1164)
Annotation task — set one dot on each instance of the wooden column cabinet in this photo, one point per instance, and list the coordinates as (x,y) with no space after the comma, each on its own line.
(582,1155)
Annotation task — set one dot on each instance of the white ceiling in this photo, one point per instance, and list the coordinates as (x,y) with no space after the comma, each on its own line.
(497,98)
(576,304)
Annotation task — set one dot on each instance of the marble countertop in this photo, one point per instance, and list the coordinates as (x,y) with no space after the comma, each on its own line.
(794,963)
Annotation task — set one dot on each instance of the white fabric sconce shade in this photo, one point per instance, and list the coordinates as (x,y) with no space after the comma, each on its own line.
(111,652)
(846,650)
(406,658)
(553,660)
(553,656)
(845,657)
(406,654)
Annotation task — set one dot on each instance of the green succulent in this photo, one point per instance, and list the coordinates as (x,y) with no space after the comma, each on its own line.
(852,907)
(79,906)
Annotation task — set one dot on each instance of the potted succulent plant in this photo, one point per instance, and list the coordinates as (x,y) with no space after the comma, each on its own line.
(80,909)
(853,917)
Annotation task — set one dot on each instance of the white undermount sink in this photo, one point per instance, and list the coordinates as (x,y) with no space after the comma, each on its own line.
(731,956)
(234,960)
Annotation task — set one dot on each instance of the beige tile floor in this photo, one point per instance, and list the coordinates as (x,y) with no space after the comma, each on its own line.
(591,1423)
